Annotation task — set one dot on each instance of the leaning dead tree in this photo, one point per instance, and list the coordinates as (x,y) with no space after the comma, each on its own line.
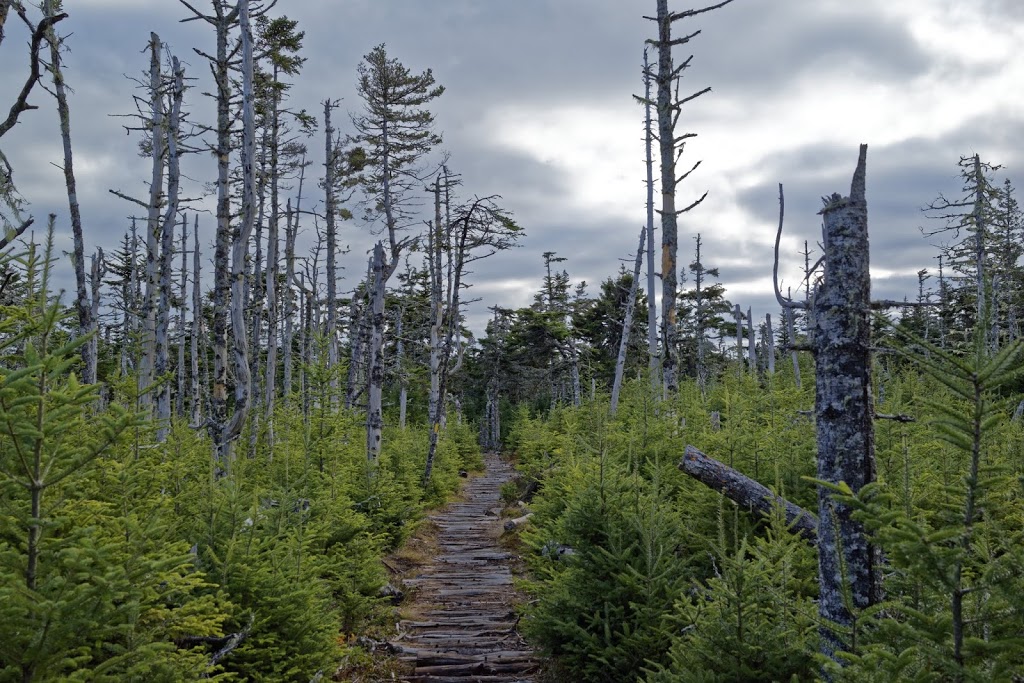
(82,305)
(627,327)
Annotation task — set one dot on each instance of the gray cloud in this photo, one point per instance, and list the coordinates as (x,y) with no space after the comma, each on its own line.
(537,54)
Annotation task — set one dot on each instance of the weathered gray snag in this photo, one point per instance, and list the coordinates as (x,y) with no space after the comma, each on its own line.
(158,132)
(849,575)
(671,146)
(197,329)
(82,306)
(653,358)
(746,492)
(171,133)
(330,212)
(375,391)
(627,327)
(240,244)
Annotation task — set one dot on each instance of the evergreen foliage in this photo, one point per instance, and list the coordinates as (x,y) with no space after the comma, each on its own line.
(956,555)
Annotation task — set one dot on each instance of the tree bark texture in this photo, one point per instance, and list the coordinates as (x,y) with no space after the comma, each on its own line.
(848,567)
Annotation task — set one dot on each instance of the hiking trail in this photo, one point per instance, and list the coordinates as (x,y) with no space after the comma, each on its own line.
(465,624)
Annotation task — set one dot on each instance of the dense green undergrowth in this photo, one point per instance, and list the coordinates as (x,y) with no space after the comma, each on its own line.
(639,573)
(124,559)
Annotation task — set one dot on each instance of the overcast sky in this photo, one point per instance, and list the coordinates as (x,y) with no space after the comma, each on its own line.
(539,109)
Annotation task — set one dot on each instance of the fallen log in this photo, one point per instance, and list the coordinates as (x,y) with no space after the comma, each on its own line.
(517,522)
(746,492)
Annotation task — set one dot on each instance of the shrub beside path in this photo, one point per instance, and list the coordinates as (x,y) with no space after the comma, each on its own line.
(464,629)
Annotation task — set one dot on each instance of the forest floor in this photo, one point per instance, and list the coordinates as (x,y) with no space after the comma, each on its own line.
(459,621)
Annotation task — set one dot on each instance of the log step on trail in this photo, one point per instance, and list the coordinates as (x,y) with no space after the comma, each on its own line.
(465,624)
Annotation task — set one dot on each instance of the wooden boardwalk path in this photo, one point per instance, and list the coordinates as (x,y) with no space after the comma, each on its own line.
(465,624)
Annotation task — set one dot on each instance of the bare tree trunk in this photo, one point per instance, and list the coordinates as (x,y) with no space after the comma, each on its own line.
(751,342)
(791,328)
(221,272)
(374,410)
(747,492)
(669,230)
(130,301)
(273,272)
(158,129)
(332,250)
(848,565)
(627,327)
(769,343)
(738,315)
(357,333)
(291,228)
(173,123)
(653,359)
(82,307)
(197,328)
(437,237)
(243,380)
(403,397)
(98,270)
(179,403)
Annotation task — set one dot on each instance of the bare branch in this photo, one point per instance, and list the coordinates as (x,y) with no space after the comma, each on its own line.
(21,103)
(16,233)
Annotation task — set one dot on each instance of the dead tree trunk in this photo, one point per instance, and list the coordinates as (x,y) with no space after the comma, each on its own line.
(627,327)
(746,492)
(158,127)
(769,342)
(291,225)
(671,145)
(170,218)
(82,306)
(653,358)
(179,401)
(375,387)
(330,210)
(240,243)
(197,328)
(403,397)
(751,342)
(791,328)
(848,566)
(98,270)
